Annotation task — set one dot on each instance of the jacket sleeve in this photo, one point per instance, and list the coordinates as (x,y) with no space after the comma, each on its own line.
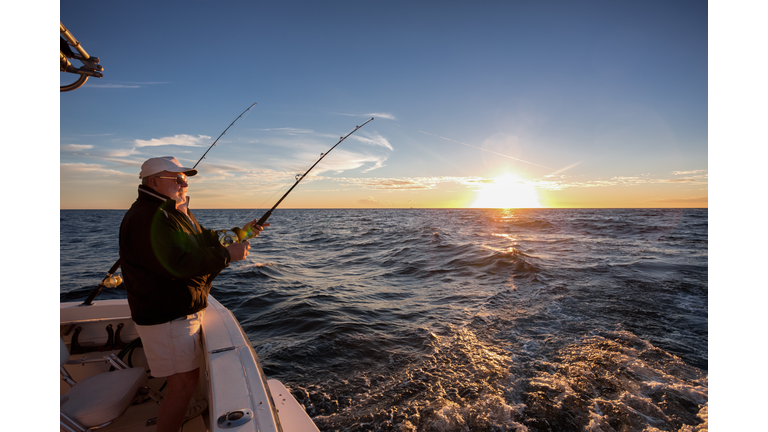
(210,237)
(182,254)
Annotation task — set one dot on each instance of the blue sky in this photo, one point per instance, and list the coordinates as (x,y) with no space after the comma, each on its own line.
(605,101)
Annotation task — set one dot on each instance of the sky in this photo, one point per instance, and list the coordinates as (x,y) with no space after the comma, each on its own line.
(475,104)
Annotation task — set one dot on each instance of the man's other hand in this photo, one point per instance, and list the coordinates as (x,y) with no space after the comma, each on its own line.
(238,251)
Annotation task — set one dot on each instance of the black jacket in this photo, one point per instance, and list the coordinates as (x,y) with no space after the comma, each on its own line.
(168,260)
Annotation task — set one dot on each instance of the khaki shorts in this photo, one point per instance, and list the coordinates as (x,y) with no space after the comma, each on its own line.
(173,347)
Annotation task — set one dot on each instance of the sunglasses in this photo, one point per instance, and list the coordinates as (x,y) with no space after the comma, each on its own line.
(180,179)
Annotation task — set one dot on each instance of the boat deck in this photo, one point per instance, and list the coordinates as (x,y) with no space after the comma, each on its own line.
(231,381)
(138,417)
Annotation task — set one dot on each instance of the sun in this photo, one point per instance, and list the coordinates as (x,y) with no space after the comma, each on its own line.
(507,191)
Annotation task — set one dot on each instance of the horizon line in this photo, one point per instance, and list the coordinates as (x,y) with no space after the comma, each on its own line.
(419,208)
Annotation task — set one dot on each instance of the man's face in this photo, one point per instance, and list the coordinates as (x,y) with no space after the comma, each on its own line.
(166,183)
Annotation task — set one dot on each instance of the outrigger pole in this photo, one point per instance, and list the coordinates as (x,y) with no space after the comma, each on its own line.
(91,66)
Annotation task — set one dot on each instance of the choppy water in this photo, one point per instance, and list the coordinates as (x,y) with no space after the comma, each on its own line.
(456,320)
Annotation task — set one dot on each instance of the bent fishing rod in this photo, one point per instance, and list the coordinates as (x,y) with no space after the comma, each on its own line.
(235,235)
(222,134)
(111,281)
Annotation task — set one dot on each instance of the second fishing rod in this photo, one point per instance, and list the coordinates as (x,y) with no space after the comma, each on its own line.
(235,235)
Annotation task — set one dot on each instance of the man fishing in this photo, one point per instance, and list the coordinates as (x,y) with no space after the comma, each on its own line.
(169,262)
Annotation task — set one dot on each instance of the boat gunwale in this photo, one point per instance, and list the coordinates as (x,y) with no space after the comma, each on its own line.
(95,320)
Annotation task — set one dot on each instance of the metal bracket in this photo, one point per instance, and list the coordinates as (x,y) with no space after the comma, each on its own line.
(234,418)
(113,341)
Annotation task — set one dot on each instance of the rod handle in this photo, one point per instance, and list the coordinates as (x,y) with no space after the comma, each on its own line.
(264,218)
(244,235)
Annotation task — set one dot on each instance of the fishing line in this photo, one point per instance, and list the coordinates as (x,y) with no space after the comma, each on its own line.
(280,189)
(469,145)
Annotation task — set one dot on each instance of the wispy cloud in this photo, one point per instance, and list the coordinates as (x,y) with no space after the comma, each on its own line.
(382,115)
(344,160)
(121,153)
(93,134)
(564,182)
(113,86)
(413,183)
(76,147)
(562,170)
(289,131)
(374,115)
(177,140)
(402,184)
(688,172)
(373,139)
(80,171)
(377,164)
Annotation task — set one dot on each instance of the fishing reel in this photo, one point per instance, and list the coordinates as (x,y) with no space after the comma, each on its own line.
(239,235)
(227,237)
(112,281)
(234,235)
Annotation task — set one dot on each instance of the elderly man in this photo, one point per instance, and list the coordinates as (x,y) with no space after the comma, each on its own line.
(169,262)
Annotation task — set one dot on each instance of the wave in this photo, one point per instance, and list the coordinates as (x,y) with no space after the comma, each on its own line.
(615,381)
(535,224)
(454,385)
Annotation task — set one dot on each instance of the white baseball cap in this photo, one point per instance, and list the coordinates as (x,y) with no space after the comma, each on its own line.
(165,163)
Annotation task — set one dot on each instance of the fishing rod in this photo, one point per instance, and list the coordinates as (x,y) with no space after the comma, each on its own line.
(222,134)
(236,235)
(111,281)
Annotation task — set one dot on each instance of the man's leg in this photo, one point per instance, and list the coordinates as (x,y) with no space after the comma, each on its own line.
(181,386)
(169,347)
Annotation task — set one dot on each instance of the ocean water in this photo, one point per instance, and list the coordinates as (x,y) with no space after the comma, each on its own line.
(465,319)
